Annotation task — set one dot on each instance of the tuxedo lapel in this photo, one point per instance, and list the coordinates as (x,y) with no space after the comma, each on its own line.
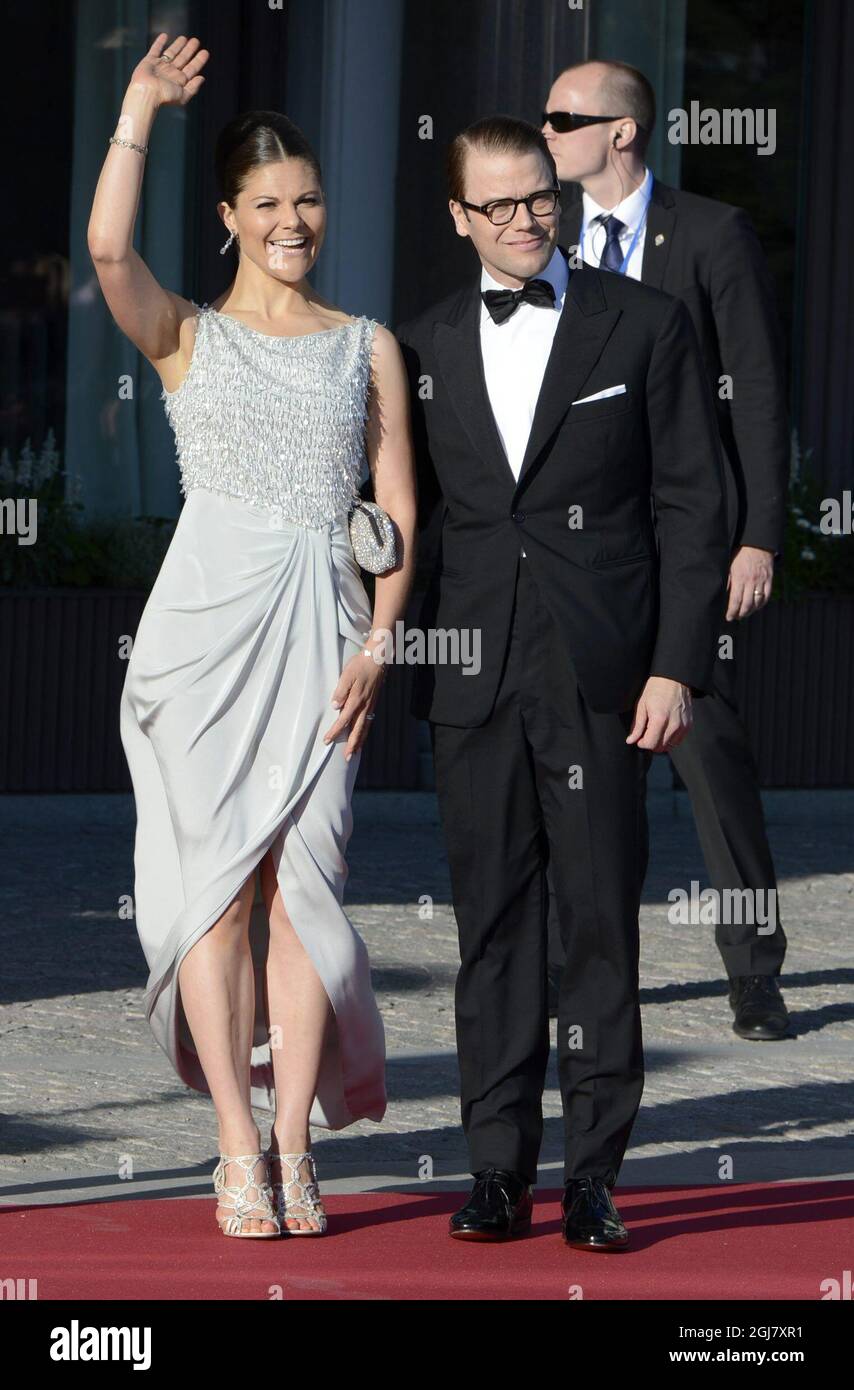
(457,346)
(584,328)
(660,225)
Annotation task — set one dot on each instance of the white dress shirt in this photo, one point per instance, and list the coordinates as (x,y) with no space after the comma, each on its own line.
(631,212)
(515,354)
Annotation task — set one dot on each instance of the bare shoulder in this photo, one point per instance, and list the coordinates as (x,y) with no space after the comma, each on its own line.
(384,344)
(387,367)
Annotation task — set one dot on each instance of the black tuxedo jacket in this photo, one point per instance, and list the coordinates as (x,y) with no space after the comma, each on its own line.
(708,254)
(632,594)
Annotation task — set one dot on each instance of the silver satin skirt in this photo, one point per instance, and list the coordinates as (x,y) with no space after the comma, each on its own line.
(225,703)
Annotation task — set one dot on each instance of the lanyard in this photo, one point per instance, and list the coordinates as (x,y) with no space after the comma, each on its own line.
(639,228)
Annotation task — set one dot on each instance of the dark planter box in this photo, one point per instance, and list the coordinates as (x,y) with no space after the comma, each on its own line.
(60,682)
(61,678)
(796,691)
(59,688)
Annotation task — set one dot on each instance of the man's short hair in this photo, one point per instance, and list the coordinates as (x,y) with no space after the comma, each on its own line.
(494,135)
(626,91)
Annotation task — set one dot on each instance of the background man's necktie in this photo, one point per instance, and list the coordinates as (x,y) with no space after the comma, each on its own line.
(612,256)
(502,303)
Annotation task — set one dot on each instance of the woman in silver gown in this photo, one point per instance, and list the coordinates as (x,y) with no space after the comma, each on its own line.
(248,694)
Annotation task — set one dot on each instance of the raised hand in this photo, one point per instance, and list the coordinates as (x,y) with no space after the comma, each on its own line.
(170,70)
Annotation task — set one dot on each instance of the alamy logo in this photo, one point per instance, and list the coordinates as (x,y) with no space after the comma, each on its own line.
(731,126)
(76,1343)
(731,906)
(837,515)
(836,1289)
(20,1289)
(19,516)
(437,646)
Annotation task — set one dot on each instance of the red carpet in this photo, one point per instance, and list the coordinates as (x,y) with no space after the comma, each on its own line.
(756,1241)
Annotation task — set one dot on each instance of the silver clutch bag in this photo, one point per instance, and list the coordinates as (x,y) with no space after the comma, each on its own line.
(372,537)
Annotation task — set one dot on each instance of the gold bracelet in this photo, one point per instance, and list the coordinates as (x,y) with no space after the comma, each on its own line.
(129,144)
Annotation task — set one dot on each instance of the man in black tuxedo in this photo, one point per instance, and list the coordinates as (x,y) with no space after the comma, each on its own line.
(563,419)
(708,255)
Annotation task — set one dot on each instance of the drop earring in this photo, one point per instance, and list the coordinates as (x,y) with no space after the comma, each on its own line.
(232,237)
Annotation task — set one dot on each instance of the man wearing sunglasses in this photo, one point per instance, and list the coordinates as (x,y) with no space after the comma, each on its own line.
(598,120)
(551,407)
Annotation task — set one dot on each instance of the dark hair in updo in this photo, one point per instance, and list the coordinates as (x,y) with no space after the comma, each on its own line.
(253,138)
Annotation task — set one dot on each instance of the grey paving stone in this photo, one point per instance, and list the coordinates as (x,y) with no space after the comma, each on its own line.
(84,1089)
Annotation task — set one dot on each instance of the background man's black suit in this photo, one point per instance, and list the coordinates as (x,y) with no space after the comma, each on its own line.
(569,636)
(707,254)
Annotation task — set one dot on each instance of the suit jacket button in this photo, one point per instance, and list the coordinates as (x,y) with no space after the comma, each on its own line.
(519,516)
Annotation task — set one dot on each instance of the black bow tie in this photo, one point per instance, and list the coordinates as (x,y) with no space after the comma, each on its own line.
(502,303)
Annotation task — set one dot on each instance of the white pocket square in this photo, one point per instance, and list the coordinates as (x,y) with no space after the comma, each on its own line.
(602,395)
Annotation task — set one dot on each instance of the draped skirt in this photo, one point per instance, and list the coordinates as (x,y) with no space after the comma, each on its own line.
(225,702)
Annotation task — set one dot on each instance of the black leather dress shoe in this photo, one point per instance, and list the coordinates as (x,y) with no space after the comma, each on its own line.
(760,1012)
(499,1207)
(590,1219)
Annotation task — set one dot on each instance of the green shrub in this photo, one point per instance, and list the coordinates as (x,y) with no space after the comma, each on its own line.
(814,560)
(70,550)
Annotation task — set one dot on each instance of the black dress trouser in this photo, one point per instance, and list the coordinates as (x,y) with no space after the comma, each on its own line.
(716,764)
(545,783)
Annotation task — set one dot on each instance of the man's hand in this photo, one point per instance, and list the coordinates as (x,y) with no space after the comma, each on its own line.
(662,715)
(751,574)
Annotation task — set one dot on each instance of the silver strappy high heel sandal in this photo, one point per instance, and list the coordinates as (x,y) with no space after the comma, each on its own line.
(252,1200)
(298,1199)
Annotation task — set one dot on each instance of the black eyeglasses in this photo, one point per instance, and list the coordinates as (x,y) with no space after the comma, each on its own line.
(564,121)
(500,211)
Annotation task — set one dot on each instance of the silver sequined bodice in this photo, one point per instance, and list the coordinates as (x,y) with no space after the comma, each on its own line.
(277,421)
